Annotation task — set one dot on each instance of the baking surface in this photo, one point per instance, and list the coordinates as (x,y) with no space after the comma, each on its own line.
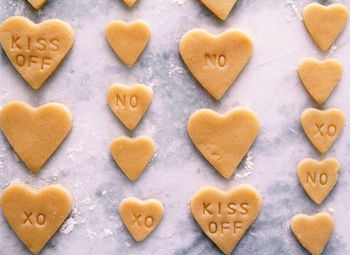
(269,85)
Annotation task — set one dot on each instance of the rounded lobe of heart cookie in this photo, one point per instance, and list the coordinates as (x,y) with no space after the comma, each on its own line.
(130,3)
(220,8)
(324,23)
(223,139)
(313,232)
(35,215)
(37,4)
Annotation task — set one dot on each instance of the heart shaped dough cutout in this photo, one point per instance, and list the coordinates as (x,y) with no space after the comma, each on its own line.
(223,139)
(216,61)
(132,154)
(130,3)
(141,217)
(313,232)
(128,40)
(37,4)
(320,77)
(322,127)
(35,215)
(324,23)
(220,8)
(36,50)
(35,133)
(129,103)
(225,216)
(318,177)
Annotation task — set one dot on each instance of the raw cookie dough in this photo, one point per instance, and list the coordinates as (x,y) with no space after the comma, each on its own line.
(220,8)
(223,139)
(36,50)
(141,217)
(129,103)
(35,133)
(35,215)
(313,232)
(216,61)
(324,23)
(318,177)
(226,216)
(320,77)
(128,40)
(130,3)
(37,4)
(132,154)
(322,127)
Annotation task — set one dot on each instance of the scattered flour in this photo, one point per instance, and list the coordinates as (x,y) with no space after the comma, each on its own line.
(107,232)
(179,2)
(247,167)
(291,4)
(68,225)
(91,234)
(174,68)
(331,210)
(331,50)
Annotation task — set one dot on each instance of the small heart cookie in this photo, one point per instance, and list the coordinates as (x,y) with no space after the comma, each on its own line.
(35,133)
(141,217)
(324,23)
(130,3)
(37,4)
(220,8)
(225,216)
(129,103)
(322,127)
(223,139)
(318,177)
(128,40)
(35,215)
(36,50)
(132,154)
(313,232)
(320,77)
(216,61)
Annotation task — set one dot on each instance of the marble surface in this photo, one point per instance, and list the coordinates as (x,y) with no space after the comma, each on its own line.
(269,85)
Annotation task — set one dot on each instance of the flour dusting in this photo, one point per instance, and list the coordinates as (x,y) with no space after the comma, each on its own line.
(107,232)
(91,234)
(293,7)
(247,167)
(68,226)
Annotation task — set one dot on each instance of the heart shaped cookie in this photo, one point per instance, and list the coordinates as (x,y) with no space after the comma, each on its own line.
(220,8)
(129,103)
(223,139)
(226,216)
(324,23)
(141,217)
(313,232)
(37,4)
(320,77)
(36,50)
(35,215)
(216,61)
(132,154)
(318,177)
(35,133)
(128,40)
(322,127)
(130,3)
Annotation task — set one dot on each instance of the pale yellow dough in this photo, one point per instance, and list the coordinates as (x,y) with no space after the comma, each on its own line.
(216,61)
(318,177)
(220,8)
(36,50)
(141,217)
(130,3)
(35,133)
(226,216)
(37,4)
(35,215)
(128,40)
(320,77)
(322,127)
(223,139)
(132,154)
(324,23)
(129,103)
(313,232)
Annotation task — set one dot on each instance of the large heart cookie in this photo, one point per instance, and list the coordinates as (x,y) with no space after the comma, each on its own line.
(324,24)
(226,216)
(35,133)
(320,77)
(128,40)
(129,103)
(223,139)
(37,4)
(36,50)
(35,215)
(216,61)
(318,177)
(132,154)
(322,127)
(141,217)
(313,232)
(220,8)
(130,3)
